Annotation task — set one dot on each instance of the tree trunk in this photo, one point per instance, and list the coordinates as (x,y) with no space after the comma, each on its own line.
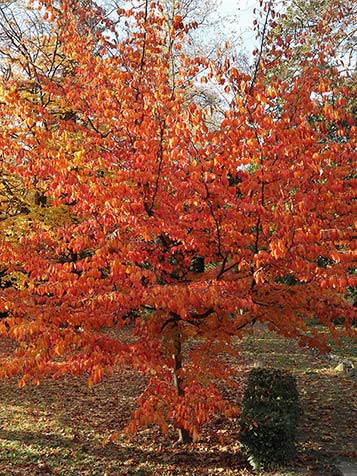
(183,434)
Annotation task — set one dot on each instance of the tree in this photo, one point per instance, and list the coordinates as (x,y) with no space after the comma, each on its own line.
(150,191)
(302,21)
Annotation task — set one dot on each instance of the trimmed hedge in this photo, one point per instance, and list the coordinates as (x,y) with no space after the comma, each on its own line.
(269,417)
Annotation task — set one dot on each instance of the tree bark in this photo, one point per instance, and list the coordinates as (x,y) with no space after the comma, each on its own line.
(183,435)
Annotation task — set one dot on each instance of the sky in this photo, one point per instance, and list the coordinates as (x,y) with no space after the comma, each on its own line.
(229,21)
(242,17)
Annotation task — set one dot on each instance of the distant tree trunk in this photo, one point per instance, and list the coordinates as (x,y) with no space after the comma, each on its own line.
(40,199)
(198,264)
(183,434)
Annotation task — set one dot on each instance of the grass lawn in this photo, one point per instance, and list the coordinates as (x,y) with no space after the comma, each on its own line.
(60,427)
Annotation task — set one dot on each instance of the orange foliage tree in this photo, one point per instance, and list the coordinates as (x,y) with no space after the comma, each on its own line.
(193,232)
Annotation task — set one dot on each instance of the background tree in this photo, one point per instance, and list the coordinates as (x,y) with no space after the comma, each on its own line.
(310,22)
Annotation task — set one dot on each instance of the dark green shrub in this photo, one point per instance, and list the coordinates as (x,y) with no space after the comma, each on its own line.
(269,417)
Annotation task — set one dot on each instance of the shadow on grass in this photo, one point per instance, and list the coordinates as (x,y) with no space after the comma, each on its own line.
(185,456)
(39,439)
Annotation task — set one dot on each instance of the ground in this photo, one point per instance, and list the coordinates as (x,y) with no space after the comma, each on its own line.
(61,428)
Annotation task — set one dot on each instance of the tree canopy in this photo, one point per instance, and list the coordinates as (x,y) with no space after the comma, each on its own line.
(147,212)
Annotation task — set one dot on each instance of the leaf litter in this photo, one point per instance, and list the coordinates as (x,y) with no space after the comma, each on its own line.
(64,428)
